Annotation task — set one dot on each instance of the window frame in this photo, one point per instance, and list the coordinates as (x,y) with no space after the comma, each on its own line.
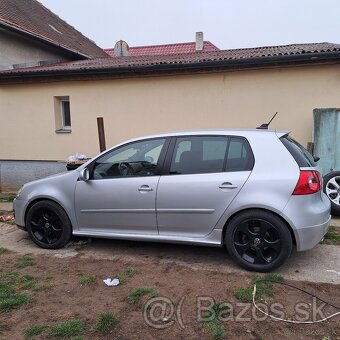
(171,153)
(62,113)
(159,166)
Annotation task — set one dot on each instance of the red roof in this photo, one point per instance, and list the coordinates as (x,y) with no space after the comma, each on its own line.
(166,49)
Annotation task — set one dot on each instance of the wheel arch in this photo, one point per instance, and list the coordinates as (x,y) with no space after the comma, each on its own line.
(255,208)
(33,202)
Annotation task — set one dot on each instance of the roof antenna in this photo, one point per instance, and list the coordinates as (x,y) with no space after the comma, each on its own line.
(265,126)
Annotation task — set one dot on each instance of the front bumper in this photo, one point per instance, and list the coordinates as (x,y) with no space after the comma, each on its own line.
(19,213)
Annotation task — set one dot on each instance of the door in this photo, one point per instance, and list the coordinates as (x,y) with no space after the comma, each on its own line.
(205,174)
(327,139)
(120,195)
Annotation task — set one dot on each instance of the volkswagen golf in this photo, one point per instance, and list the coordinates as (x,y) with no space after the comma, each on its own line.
(257,193)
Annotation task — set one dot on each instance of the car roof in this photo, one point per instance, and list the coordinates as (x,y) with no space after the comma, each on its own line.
(233,132)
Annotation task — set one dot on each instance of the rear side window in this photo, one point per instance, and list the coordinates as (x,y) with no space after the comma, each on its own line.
(209,154)
(302,157)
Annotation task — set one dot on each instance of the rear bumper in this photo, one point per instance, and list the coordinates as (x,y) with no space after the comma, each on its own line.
(307,238)
(19,209)
(309,217)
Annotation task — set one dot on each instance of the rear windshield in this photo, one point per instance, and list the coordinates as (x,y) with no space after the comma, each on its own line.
(302,157)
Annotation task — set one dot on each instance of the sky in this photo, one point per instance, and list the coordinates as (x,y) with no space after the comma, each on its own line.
(226,23)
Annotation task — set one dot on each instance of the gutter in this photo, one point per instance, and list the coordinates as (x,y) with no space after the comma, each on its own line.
(226,64)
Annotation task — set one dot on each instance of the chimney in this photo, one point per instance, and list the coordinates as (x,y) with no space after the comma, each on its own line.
(121,49)
(199,41)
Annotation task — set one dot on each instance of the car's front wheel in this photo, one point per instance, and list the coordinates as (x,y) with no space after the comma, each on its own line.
(258,240)
(48,225)
(331,187)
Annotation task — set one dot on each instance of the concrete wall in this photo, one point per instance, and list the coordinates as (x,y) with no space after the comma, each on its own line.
(13,174)
(139,106)
(15,49)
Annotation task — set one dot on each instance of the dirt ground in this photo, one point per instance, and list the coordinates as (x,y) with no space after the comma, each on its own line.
(61,297)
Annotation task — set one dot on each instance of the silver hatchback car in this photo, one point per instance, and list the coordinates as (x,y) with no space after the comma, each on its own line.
(256,192)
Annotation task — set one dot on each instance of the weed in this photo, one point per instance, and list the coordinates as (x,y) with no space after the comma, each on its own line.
(34,330)
(7,198)
(105,323)
(130,272)
(86,280)
(213,322)
(137,293)
(3,250)
(67,329)
(332,236)
(264,286)
(24,262)
(9,299)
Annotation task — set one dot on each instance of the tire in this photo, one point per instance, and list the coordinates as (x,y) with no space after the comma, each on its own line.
(48,225)
(331,187)
(258,240)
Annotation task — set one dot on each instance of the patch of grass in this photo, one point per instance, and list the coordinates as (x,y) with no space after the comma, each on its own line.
(264,286)
(23,262)
(86,280)
(105,323)
(332,236)
(130,272)
(256,335)
(9,297)
(7,198)
(137,293)
(213,322)
(33,330)
(3,250)
(67,329)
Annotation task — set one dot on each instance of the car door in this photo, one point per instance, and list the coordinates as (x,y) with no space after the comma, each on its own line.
(120,195)
(204,175)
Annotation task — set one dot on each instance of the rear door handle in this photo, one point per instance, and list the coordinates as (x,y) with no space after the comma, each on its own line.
(144,188)
(227,185)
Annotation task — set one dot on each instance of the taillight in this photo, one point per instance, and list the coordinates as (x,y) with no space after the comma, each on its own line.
(308,183)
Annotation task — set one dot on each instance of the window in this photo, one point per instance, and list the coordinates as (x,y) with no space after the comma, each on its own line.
(62,114)
(199,155)
(134,159)
(209,154)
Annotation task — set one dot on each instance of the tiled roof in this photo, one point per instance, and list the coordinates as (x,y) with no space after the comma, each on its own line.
(246,56)
(32,18)
(165,49)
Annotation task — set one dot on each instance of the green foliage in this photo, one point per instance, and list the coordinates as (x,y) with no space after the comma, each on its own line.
(7,198)
(332,236)
(213,322)
(67,329)
(87,279)
(23,262)
(33,330)
(9,298)
(105,323)
(137,293)
(128,273)
(3,250)
(264,286)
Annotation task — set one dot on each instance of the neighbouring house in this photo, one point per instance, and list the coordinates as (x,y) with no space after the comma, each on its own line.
(49,111)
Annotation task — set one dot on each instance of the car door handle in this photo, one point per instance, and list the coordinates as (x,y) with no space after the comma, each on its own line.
(227,185)
(144,188)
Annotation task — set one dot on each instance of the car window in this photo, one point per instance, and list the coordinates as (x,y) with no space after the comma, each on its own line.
(133,159)
(199,155)
(302,157)
(240,156)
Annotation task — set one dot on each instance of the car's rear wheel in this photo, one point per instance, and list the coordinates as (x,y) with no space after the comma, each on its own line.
(258,240)
(331,187)
(48,225)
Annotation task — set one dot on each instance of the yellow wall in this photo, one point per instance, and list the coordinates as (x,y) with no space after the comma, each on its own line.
(139,106)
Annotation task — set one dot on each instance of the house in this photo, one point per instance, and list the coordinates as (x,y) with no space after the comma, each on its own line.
(50,111)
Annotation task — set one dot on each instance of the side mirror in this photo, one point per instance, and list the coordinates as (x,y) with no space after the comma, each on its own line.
(84,175)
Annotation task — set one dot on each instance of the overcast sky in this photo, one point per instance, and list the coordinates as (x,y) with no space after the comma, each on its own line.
(226,23)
